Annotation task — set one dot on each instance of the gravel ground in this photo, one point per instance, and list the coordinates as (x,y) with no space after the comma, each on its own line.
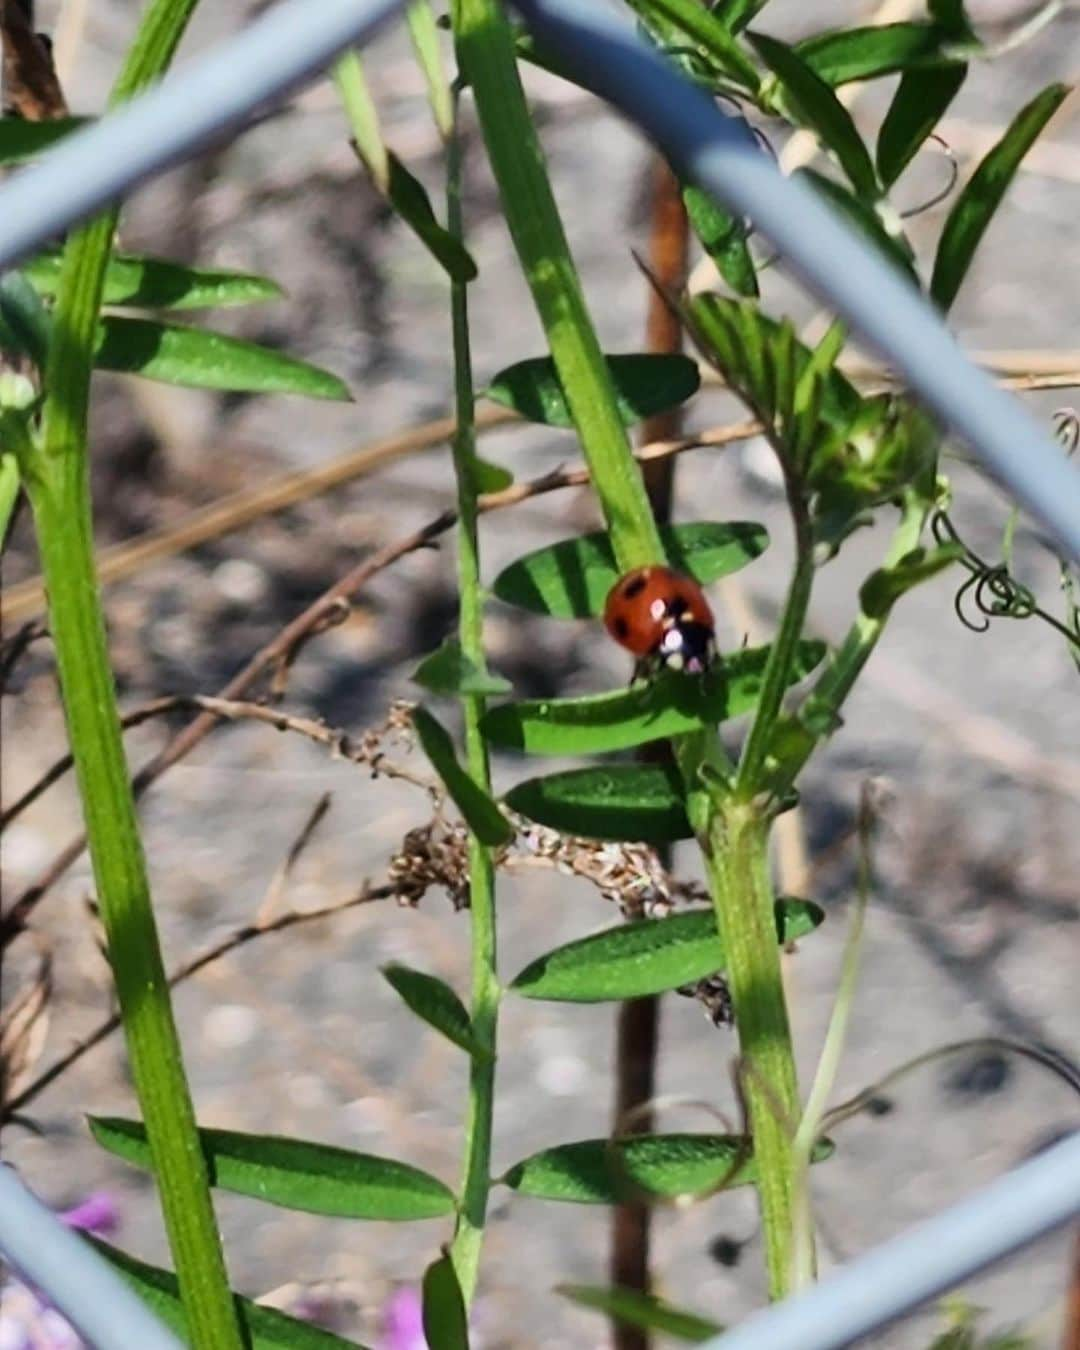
(973,923)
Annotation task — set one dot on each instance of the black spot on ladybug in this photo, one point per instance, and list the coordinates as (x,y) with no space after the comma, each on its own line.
(635,586)
(622,629)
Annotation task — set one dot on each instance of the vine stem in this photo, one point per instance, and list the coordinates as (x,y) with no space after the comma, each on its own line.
(476,1182)
(56,474)
(737,864)
(781,655)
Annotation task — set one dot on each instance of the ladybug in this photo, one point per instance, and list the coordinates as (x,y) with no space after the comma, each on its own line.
(663,618)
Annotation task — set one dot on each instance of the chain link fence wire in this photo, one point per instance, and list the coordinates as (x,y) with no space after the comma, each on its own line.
(77,1281)
(1030,1201)
(275,54)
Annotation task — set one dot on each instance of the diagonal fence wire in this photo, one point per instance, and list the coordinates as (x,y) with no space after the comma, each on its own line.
(1032,1200)
(50,1257)
(295,40)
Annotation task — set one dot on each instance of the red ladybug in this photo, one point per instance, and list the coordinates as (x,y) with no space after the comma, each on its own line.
(663,618)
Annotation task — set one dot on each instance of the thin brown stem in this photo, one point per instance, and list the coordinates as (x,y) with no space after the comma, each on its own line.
(239,938)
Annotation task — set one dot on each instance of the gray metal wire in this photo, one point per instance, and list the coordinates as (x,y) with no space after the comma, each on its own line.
(76,1280)
(718,152)
(1032,1200)
(193,105)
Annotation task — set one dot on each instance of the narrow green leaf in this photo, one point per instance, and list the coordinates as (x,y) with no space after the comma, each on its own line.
(723,238)
(736,14)
(481,814)
(21,140)
(646,957)
(363,118)
(917,106)
(447,670)
(643,803)
(408,197)
(571,579)
(952,16)
(883,49)
(974,209)
(24,322)
(297,1173)
(669,705)
(881,590)
(706,32)
(822,111)
(263,1328)
(894,248)
(607,1171)
(157,283)
(645,383)
(446,1323)
(488,477)
(436,1003)
(203,359)
(733,335)
(425,39)
(633,1308)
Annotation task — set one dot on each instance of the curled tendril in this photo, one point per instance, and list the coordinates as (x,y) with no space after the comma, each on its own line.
(991,588)
(938,197)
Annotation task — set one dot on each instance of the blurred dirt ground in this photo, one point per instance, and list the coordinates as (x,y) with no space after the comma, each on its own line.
(973,928)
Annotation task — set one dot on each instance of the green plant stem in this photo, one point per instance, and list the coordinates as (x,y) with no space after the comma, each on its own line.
(737,864)
(476,1183)
(57,482)
(781,654)
(819,715)
(803,1265)
(486,54)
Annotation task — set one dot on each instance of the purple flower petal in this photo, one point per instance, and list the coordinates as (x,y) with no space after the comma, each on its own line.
(98,1213)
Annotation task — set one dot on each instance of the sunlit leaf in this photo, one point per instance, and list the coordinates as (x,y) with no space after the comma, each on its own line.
(447,670)
(157,283)
(481,814)
(724,239)
(571,579)
(882,49)
(646,957)
(297,1173)
(883,588)
(974,209)
(446,1324)
(263,1328)
(639,802)
(21,140)
(644,384)
(918,105)
(734,336)
(203,359)
(633,1308)
(409,198)
(434,1001)
(670,705)
(607,1171)
(821,110)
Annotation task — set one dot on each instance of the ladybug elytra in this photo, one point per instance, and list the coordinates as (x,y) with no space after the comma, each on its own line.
(663,618)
